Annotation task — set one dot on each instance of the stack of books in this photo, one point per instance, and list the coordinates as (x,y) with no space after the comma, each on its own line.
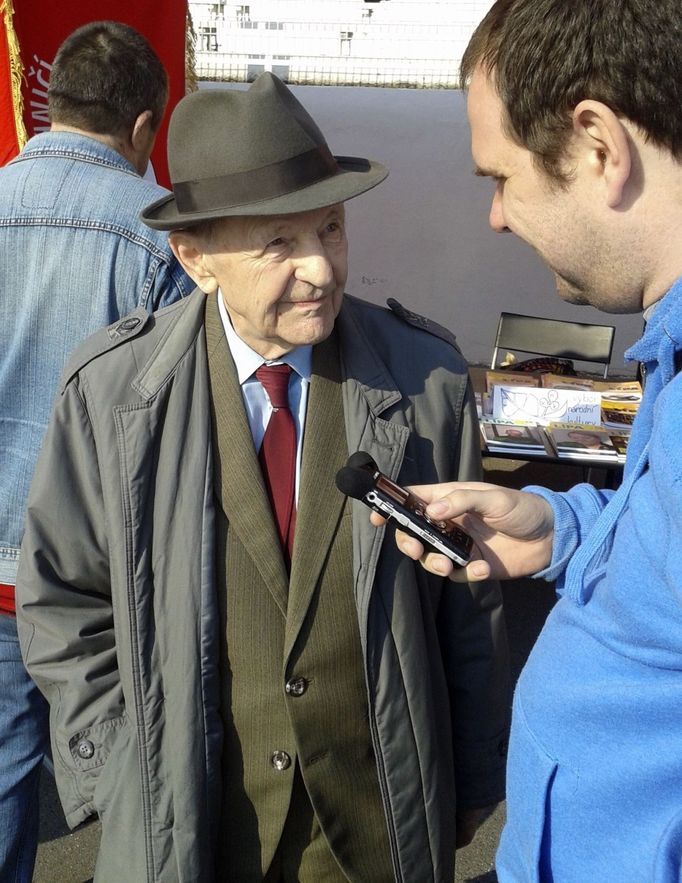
(573,441)
(567,441)
(572,418)
(507,436)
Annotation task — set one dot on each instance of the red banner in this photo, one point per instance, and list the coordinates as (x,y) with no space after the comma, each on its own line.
(42,25)
(12,132)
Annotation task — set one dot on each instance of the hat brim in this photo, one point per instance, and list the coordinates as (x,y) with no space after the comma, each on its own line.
(349,182)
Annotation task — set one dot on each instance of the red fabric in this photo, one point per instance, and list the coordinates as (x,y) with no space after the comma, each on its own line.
(7,599)
(278,452)
(9,142)
(42,25)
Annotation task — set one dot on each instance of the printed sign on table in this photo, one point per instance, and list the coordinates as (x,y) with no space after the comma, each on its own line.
(544,406)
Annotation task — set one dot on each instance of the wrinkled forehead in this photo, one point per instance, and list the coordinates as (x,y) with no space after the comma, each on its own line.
(240,233)
(265,225)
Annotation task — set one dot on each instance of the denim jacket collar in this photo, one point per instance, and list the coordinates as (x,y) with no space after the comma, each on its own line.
(72,145)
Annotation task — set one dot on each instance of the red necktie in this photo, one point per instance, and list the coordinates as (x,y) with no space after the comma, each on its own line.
(278,452)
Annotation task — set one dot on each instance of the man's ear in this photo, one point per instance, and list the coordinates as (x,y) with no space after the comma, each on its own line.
(142,131)
(602,137)
(189,252)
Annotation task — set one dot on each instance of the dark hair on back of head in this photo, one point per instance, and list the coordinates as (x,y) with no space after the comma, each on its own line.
(545,56)
(105,74)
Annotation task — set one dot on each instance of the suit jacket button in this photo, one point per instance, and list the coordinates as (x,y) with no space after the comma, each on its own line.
(85,749)
(296,686)
(280,760)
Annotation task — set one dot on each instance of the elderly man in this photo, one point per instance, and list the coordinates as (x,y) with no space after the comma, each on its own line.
(246,681)
(575,114)
(75,257)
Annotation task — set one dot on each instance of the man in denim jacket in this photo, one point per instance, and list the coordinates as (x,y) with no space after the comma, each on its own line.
(75,258)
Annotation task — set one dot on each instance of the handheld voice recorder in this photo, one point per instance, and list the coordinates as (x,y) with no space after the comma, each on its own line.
(361,479)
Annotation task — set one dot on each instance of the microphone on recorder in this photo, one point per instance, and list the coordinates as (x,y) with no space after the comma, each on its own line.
(362,480)
(362,460)
(354,482)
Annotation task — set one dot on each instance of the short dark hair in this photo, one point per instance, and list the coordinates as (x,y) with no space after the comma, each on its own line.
(105,74)
(545,56)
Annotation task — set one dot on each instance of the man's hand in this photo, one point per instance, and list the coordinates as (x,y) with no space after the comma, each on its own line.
(512,530)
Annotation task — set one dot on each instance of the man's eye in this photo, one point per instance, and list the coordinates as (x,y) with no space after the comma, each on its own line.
(333,229)
(276,243)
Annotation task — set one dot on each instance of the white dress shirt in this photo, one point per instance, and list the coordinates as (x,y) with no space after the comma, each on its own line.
(256,401)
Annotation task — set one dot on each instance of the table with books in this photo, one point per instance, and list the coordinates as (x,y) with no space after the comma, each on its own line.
(557,418)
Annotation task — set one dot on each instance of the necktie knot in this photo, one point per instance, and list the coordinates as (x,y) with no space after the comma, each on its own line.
(275,381)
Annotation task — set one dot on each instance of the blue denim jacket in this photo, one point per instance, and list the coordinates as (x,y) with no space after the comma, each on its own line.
(75,257)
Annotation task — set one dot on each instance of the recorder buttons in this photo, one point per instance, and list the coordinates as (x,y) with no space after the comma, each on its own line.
(296,686)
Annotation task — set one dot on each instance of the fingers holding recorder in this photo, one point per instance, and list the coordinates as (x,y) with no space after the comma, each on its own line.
(512,530)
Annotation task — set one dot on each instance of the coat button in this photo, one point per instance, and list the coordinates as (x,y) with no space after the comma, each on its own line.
(85,749)
(280,760)
(296,686)
(128,325)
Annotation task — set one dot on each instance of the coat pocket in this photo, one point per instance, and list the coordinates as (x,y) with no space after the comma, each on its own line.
(123,849)
(114,769)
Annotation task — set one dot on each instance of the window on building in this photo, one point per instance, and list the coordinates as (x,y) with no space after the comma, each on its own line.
(208,40)
(252,71)
(281,71)
(346,37)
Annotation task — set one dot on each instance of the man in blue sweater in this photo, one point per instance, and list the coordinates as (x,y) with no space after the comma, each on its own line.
(575,115)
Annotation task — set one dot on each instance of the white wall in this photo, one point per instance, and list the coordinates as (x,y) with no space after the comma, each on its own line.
(422,236)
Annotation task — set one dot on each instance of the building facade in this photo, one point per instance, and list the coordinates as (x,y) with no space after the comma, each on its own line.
(404,43)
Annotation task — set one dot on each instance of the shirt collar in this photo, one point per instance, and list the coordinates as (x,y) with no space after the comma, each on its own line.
(247,361)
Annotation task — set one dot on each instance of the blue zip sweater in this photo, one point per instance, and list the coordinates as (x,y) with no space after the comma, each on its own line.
(595,759)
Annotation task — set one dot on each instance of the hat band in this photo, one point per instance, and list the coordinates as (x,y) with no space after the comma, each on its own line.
(254,185)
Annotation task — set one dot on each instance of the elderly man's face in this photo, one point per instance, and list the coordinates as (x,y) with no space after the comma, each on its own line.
(282,278)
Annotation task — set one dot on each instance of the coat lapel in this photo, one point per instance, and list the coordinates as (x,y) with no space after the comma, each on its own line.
(369,394)
(238,478)
(320,504)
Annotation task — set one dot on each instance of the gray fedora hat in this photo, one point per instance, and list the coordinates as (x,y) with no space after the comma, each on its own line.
(258,151)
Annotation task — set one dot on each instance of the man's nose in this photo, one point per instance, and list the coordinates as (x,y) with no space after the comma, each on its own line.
(314,267)
(496,217)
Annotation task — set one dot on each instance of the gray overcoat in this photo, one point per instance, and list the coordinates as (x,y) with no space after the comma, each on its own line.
(118,609)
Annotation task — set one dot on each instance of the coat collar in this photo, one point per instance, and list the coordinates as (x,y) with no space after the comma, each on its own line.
(362,365)
(183,321)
